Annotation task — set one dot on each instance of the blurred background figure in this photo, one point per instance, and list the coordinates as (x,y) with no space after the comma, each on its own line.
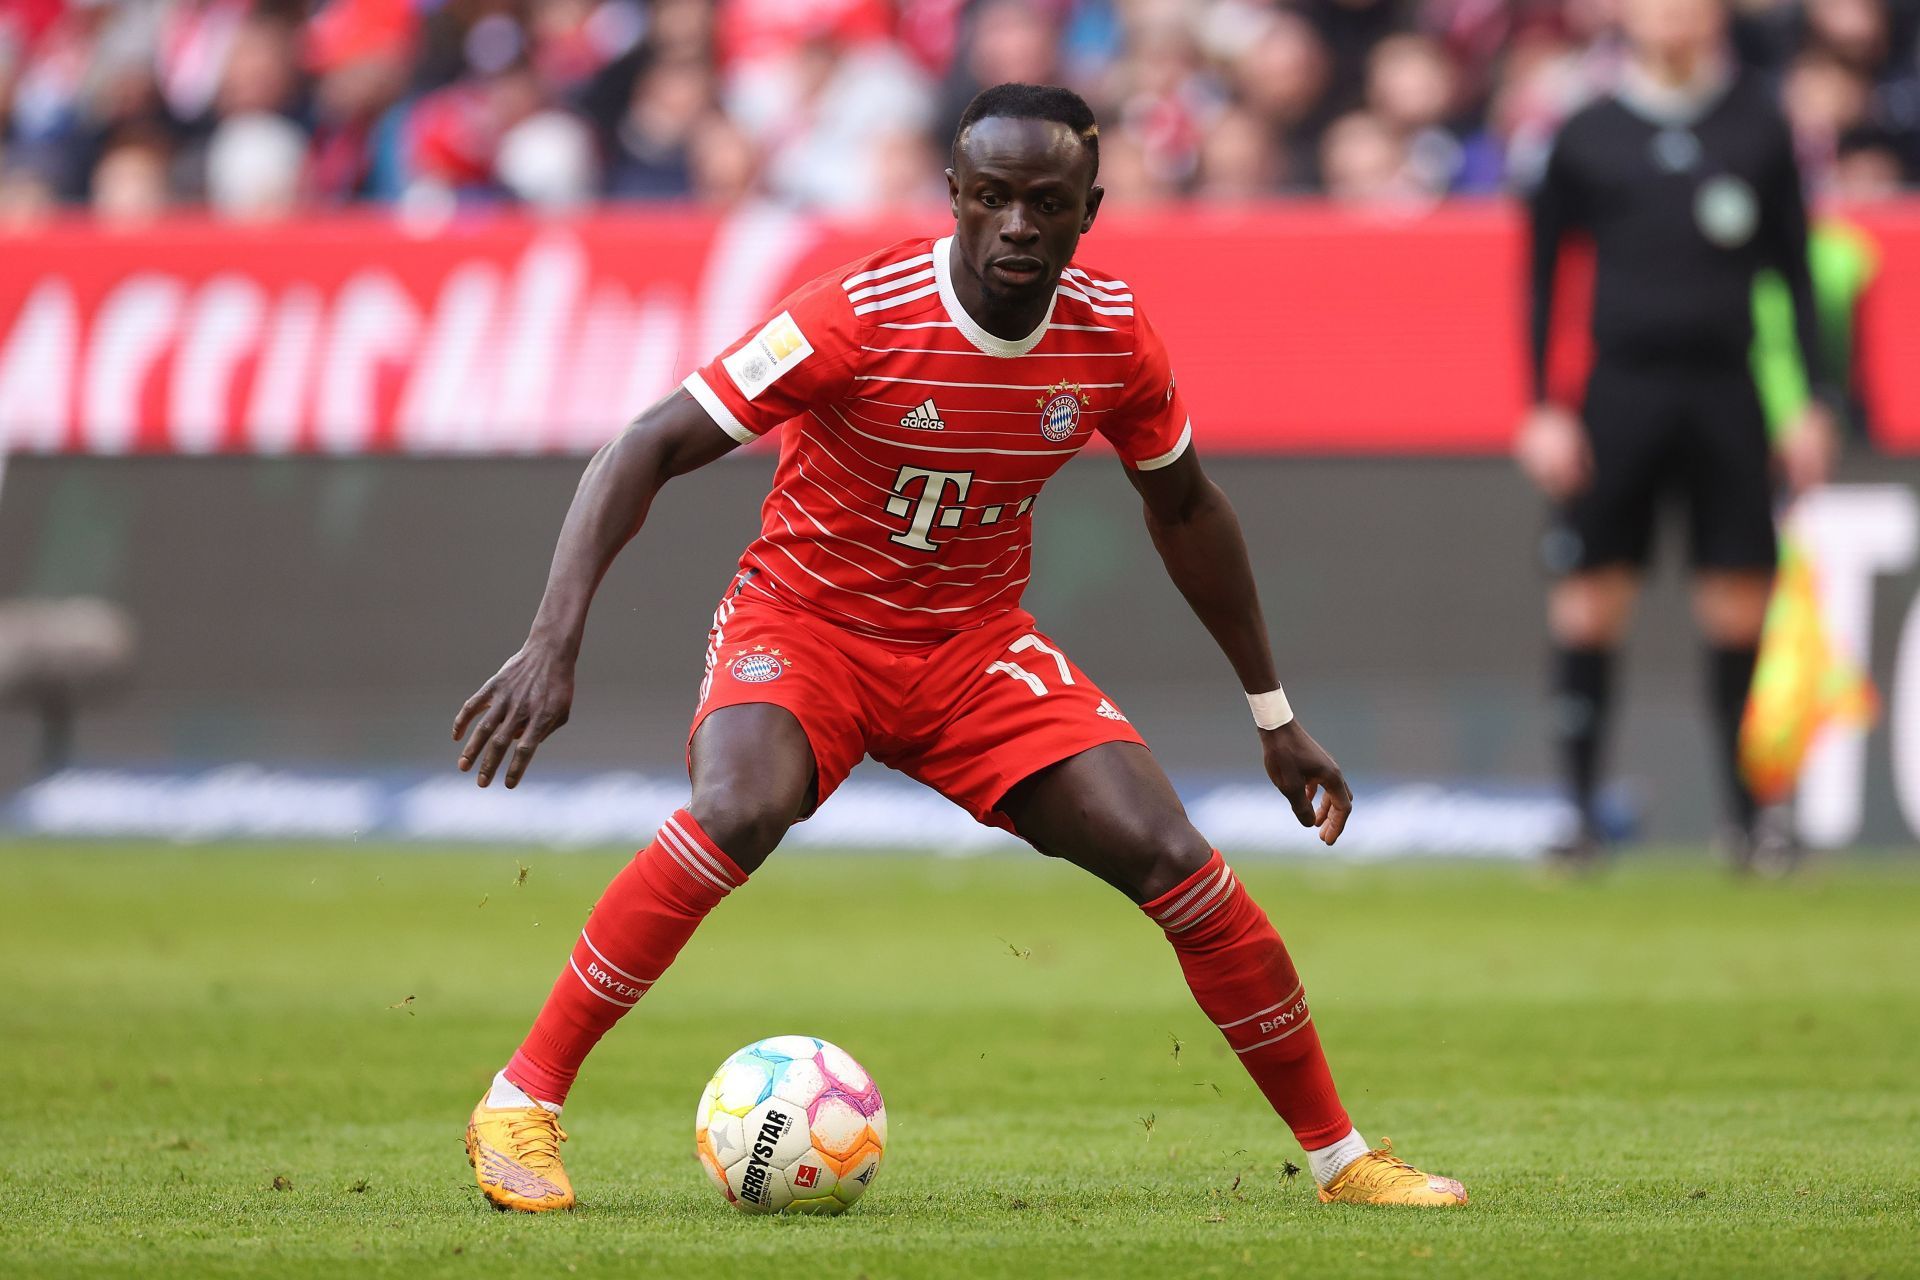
(1412,89)
(130,183)
(1685,179)
(255,165)
(1279,71)
(1364,160)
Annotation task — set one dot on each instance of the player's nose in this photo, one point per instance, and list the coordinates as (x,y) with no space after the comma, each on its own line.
(1017,227)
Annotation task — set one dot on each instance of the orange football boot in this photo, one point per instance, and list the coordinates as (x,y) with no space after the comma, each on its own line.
(515,1154)
(1380,1177)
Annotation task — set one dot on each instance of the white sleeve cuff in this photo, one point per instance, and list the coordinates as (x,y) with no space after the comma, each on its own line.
(1172,455)
(717,409)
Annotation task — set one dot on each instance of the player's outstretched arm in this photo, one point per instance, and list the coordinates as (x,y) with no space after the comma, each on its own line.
(531,695)
(1199,540)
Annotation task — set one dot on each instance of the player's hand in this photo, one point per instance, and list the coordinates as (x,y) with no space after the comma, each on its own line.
(1552,449)
(1808,448)
(525,701)
(1308,778)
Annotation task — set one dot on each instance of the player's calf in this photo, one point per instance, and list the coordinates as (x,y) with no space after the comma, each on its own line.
(633,934)
(1241,975)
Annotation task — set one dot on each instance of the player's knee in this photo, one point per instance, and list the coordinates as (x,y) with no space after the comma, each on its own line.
(1730,608)
(1166,853)
(747,826)
(1590,611)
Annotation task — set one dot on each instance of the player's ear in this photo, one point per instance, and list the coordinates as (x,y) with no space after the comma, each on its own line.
(953,194)
(1094,195)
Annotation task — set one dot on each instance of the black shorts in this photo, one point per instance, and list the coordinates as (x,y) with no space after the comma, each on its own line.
(1658,434)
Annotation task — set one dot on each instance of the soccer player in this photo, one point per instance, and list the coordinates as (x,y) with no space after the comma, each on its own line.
(925,395)
(1685,178)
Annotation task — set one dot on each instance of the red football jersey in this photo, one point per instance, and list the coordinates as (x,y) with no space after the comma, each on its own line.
(916,442)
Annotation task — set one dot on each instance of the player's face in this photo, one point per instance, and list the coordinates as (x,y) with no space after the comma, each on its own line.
(1023,194)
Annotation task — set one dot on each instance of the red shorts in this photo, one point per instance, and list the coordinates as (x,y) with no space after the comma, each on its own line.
(969,715)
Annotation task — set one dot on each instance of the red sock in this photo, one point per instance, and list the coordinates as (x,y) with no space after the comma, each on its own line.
(1241,974)
(636,929)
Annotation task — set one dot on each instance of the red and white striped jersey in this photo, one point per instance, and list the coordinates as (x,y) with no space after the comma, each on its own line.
(916,442)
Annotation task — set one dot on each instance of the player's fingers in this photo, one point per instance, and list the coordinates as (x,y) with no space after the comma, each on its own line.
(536,733)
(1301,809)
(1336,822)
(472,707)
(482,731)
(503,737)
(517,762)
(1321,810)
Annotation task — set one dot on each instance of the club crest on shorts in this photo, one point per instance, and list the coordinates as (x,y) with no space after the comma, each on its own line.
(1060,410)
(758,666)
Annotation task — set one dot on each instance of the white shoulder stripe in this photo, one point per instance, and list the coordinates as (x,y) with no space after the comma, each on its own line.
(897,299)
(1116,293)
(1083,277)
(851,282)
(888,286)
(1093,306)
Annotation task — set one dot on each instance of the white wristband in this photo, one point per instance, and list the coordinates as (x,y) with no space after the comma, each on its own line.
(1270,710)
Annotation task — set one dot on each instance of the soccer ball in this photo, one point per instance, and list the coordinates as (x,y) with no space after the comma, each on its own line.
(791,1123)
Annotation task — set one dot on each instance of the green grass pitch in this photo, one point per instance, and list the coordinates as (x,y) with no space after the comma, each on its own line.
(259,1062)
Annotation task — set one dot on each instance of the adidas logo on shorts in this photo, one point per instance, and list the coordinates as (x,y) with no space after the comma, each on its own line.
(923,417)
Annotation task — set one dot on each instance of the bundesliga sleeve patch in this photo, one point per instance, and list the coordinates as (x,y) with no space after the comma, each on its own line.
(768,355)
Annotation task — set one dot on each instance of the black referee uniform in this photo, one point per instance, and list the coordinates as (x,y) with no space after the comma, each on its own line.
(1686,196)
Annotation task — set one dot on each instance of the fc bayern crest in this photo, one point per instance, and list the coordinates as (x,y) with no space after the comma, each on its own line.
(756,668)
(1060,411)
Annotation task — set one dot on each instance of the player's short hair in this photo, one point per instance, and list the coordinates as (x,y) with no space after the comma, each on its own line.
(1033,102)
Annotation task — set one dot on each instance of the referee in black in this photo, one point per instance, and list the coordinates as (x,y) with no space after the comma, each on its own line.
(1684,179)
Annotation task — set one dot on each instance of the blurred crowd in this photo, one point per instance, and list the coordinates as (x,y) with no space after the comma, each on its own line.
(258,108)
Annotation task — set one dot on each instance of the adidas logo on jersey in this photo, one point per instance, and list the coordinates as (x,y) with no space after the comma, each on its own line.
(923,417)
(1108,711)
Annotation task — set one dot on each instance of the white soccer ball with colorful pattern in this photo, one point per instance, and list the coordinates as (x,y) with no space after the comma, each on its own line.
(791,1124)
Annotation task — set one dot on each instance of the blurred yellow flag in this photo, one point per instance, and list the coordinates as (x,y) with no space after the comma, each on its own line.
(1801,683)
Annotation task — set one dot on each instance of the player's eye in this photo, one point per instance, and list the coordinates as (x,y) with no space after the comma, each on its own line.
(989,199)
(1051,207)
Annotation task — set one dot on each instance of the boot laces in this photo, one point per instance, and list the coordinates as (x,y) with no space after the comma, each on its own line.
(536,1136)
(1386,1167)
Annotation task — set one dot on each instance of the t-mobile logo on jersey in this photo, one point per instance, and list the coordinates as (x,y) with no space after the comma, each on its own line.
(926,510)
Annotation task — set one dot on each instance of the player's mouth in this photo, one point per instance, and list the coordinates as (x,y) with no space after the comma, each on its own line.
(1018,269)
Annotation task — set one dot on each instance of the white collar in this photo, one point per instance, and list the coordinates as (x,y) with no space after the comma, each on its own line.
(966,324)
(1674,106)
